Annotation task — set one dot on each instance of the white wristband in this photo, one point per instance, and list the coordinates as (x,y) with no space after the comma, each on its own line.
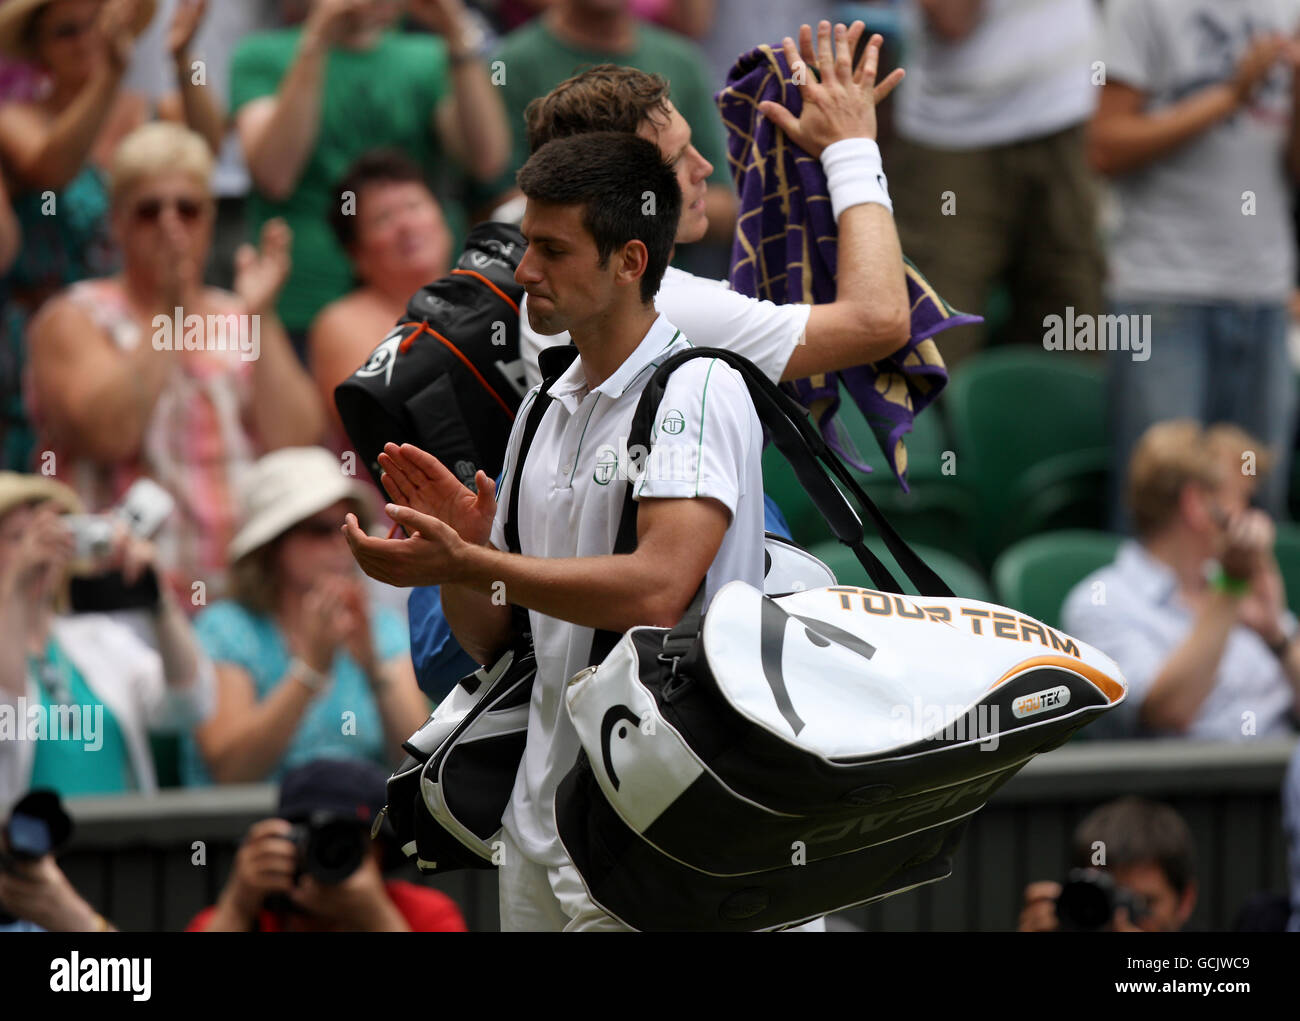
(855,174)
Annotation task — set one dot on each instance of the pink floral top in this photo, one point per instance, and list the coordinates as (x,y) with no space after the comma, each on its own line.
(196,446)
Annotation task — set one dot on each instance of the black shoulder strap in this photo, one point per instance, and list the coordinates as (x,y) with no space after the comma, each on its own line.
(553,361)
(809,456)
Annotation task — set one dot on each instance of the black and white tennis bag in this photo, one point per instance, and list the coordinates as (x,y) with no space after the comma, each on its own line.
(781,757)
(447,797)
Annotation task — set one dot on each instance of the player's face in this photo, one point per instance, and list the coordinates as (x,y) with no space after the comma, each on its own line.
(673,136)
(561,270)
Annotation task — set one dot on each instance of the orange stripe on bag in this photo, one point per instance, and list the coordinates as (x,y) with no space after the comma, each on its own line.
(424,327)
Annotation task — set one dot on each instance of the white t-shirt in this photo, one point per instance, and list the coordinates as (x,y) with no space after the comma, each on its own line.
(1024,71)
(712,315)
(706,442)
(1211,219)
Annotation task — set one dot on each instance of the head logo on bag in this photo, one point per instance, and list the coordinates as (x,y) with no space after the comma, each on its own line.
(616,716)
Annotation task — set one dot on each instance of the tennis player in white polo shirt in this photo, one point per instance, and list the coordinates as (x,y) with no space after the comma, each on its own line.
(601,216)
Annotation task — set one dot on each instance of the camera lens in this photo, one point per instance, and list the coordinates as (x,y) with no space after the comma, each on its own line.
(1085,904)
(335,850)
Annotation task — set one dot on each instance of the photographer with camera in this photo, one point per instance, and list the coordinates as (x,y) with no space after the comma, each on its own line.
(1134,870)
(314,868)
(35,895)
(80,692)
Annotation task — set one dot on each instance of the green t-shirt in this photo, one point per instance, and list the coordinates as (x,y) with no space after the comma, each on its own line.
(382,97)
(81,756)
(535,61)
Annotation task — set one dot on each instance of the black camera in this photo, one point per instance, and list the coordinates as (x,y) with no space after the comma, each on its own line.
(37,826)
(330,847)
(1090,898)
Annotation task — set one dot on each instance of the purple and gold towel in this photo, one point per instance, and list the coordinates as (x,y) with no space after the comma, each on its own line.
(785,251)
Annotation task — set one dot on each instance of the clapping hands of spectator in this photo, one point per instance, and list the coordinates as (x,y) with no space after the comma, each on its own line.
(446,17)
(416,479)
(117,27)
(185,23)
(260,272)
(331,21)
(1258,61)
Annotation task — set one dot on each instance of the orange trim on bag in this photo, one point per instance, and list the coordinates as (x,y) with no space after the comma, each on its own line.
(491,286)
(424,327)
(1112,689)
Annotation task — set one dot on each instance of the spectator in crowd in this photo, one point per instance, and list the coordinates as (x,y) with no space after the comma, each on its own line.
(56,148)
(221,27)
(1207,653)
(124,383)
(98,688)
(572,34)
(308,101)
(989,164)
(269,890)
(1147,849)
(1197,128)
(306,666)
(397,241)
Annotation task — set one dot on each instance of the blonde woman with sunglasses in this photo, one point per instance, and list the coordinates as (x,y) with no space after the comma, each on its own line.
(152,373)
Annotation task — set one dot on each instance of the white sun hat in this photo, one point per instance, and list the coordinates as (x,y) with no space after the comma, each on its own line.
(288,486)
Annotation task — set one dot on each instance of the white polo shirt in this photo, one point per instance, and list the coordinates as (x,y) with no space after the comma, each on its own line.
(712,315)
(706,442)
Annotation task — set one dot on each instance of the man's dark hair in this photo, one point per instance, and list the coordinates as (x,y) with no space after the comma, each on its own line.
(378,166)
(602,98)
(627,191)
(1133,831)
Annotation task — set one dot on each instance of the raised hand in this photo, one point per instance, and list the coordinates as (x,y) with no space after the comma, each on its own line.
(185,23)
(261,272)
(842,104)
(416,479)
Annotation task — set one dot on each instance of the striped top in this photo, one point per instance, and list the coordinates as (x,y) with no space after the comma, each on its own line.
(1024,71)
(196,445)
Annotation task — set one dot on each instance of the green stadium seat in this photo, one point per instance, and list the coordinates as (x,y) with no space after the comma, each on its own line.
(937,512)
(963,579)
(1036,574)
(1029,431)
(1287,549)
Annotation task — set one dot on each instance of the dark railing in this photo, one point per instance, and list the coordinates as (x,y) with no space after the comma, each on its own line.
(152,863)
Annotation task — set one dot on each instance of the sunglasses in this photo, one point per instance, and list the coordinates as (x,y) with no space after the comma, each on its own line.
(150,210)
